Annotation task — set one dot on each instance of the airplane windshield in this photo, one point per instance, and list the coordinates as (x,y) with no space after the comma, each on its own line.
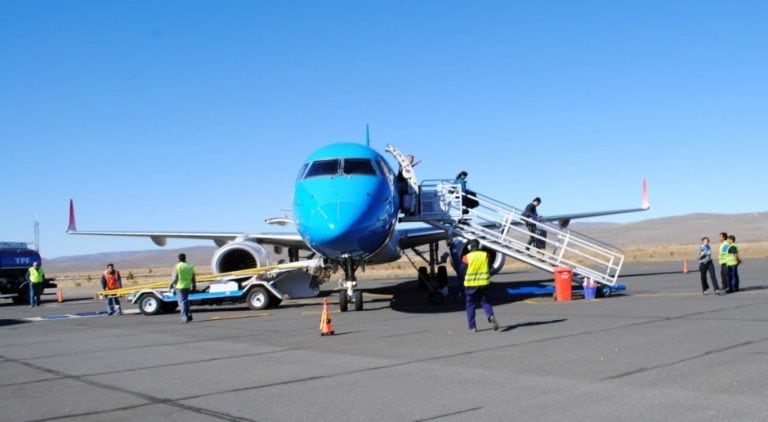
(323,168)
(358,166)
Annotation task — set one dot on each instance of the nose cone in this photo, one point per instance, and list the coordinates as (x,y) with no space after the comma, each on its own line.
(342,220)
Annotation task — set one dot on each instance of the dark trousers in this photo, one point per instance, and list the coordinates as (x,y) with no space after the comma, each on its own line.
(182,296)
(473,296)
(113,305)
(725,275)
(531,240)
(35,290)
(733,272)
(704,268)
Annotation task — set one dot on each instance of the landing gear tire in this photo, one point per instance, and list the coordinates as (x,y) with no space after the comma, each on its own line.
(258,298)
(435,298)
(423,277)
(150,305)
(442,277)
(358,300)
(343,301)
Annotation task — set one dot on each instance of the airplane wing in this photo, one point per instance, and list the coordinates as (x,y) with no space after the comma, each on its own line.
(564,219)
(291,240)
(413,237)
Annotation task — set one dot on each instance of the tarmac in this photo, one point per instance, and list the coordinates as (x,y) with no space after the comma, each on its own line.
(662,351)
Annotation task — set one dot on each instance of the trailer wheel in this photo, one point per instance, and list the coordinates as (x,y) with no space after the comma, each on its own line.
(169,307)
(442,277)
(150,305)
(604,291)
(258,298)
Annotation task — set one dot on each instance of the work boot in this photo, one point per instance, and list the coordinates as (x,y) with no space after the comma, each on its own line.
(493,321)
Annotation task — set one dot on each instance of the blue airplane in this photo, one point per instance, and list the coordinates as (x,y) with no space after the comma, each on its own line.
(346,209)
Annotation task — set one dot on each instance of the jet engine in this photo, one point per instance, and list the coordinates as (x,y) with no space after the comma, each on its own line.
(238,255)
(458,247)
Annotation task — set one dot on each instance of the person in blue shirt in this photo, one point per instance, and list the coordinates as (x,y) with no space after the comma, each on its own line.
(707,266)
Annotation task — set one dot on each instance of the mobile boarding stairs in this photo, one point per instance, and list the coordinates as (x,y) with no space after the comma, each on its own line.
(504,229)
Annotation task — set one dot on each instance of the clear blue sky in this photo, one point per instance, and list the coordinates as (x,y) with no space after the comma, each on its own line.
(189,115)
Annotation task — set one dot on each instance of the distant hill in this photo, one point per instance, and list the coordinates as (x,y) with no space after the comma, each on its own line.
(679,230)
(685,229)
(155,258)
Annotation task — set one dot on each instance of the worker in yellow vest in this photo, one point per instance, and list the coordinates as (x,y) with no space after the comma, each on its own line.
(732,261)
(36,278)
(183,280)
(476,281)
(722,259)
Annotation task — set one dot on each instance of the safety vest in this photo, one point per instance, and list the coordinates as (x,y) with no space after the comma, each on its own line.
(478,273)
(185,272)
(113,280)
(730,258)
(36,275)
(724,253)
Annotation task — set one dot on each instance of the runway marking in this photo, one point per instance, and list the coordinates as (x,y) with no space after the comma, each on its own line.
(88,314)
(550,301)
(222,318)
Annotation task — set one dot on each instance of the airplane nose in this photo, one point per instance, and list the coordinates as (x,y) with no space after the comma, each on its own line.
(343,227)
(337,218)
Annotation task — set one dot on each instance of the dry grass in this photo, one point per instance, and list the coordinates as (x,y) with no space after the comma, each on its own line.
(403,268)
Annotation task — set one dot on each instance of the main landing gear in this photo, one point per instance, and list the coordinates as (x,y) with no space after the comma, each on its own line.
(347,291)
(434,278)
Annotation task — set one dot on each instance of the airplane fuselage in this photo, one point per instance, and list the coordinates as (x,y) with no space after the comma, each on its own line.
(345,201)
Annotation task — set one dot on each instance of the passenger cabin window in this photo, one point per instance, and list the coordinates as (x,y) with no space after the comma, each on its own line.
(358,166)
(323,168)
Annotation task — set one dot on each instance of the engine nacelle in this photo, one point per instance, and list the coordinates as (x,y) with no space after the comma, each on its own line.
(238,255)
(458,247)
(388,253)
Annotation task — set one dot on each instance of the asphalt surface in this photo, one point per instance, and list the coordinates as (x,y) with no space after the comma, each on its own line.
(661,352)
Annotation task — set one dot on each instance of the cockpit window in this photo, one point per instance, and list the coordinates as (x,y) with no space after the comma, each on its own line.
(358,166)
(323,168)
(301,171)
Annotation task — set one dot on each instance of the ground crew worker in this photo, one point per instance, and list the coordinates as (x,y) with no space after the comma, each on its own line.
(706,266)
(733,261)
(531,214)
(476,282)
(111,280)
(722,257)
(35,278)
(183,280)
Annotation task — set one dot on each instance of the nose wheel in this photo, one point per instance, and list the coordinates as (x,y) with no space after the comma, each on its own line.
(355,297)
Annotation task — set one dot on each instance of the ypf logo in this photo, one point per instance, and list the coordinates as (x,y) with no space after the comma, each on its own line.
(23,260)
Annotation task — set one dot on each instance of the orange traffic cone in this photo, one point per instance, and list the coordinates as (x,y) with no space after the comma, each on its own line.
(685,266)
(59,295)
(326,328)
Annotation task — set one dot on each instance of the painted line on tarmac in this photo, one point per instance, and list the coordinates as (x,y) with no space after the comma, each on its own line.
(550,301)
(87,314)
(222,318)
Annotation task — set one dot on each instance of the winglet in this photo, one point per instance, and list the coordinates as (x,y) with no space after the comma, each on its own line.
(646,204)
(72,226)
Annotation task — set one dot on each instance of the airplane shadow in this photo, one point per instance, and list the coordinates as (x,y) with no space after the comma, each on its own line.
(408,297)
(7,322)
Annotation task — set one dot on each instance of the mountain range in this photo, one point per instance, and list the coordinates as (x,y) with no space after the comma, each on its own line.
(678,230)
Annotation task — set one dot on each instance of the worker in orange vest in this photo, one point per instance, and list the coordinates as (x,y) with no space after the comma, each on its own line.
(110,280)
